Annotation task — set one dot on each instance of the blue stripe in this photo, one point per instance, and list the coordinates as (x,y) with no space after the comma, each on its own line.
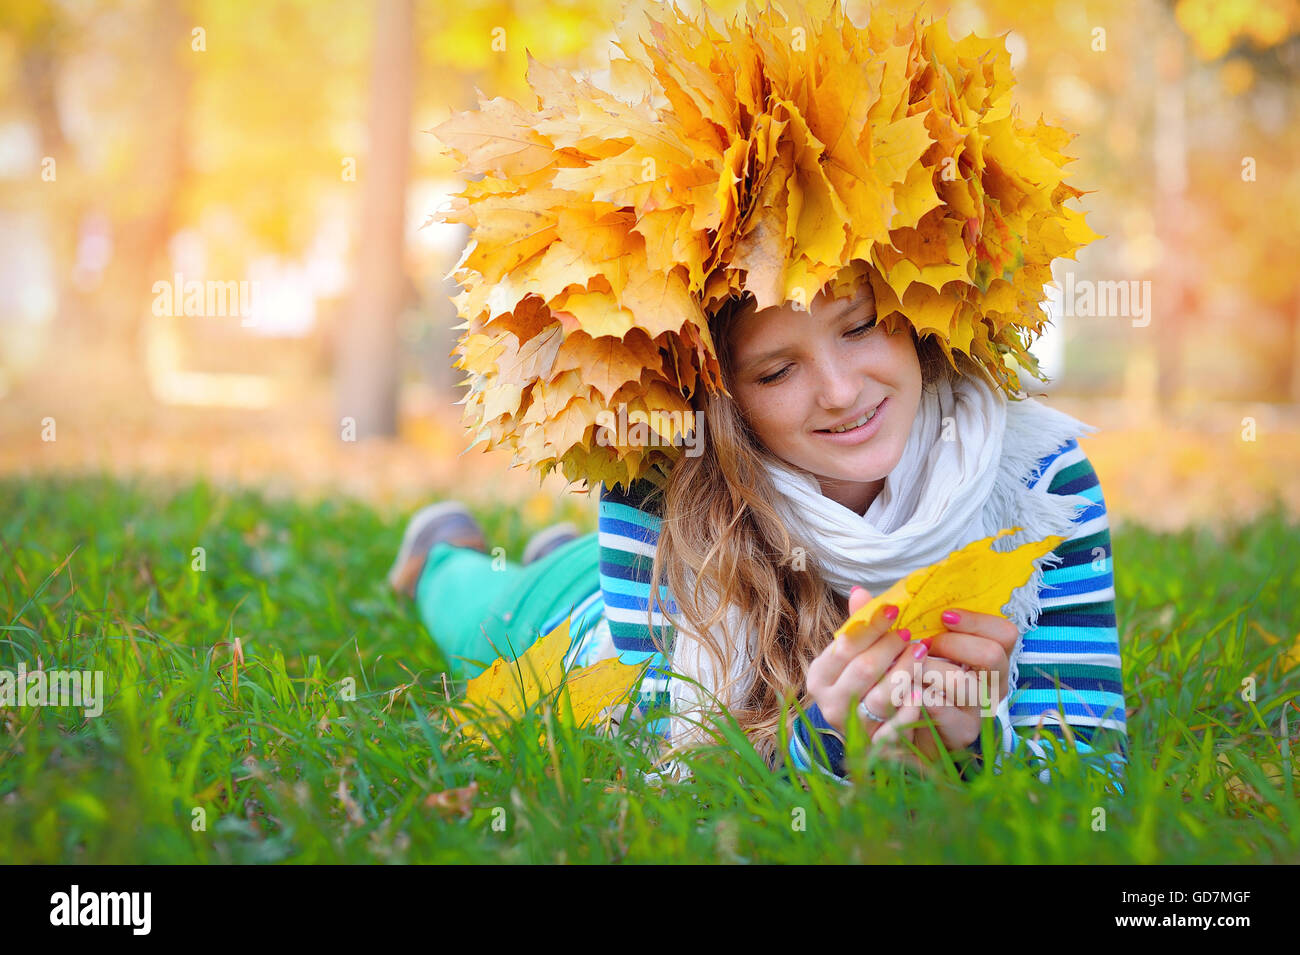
(631,645)
(1046,462)
(796,756)
(1092,493)
(1065,646)
(610,525)
(624,585)
(1089,513)
(1079,485)
(1086,586)
(1078,558)
(1080,572)
(1046,697)
(1067,617)
(639,572)
(1088,634)
(1071,709)
(633,602)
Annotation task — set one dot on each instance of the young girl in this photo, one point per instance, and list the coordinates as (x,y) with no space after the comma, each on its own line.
(787,460)
(877,174)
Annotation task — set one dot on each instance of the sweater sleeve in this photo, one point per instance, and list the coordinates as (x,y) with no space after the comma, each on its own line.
(682,677)
(628,527)
(828,759)
(1069,664)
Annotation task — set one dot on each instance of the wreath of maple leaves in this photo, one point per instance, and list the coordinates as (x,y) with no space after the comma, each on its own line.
(773,155)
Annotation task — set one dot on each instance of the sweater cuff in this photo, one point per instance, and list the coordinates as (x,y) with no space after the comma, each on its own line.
(807,754)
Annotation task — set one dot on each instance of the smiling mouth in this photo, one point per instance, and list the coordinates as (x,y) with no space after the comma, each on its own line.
(855,423)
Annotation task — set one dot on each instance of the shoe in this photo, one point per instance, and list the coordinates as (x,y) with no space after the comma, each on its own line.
(548,539)
(446,521)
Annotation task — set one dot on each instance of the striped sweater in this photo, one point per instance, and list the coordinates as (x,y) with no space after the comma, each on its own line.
(1069,664)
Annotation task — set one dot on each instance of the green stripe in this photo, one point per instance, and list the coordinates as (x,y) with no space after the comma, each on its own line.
(624,558)
(639,632)
(1074,471)
(1099,539)
(1101,606)
(1067,671)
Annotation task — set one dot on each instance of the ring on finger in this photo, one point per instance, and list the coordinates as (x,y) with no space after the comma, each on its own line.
(864,710)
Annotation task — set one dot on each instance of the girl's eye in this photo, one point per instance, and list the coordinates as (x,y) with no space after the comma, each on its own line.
(855,332)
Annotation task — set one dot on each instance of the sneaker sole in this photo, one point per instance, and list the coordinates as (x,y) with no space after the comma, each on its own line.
(545,540)
(421,519)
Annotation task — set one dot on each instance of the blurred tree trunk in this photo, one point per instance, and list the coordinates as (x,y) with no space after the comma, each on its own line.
(367,368)
(161,154)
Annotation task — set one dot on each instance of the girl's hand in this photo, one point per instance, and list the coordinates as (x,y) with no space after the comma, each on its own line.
(974,643)
(859,668)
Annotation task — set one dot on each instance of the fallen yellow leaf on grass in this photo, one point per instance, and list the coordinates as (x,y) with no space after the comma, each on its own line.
(975,578)
(1291,659)
(1290,656)
(507,689)
(510,687)
(1247,795)
(591,689)
(453,802)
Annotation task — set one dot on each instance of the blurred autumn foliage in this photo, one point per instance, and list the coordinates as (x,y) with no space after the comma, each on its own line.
(171,141)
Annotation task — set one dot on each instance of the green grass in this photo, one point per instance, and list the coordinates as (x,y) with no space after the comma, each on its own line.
(98,575)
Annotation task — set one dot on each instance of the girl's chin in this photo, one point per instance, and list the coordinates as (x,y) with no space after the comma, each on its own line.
(848,464)
(852,459)
(847,472)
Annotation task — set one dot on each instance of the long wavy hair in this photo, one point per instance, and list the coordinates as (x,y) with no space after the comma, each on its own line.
(722,544)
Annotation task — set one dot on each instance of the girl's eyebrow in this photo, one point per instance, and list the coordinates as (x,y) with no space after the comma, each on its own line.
(858,302)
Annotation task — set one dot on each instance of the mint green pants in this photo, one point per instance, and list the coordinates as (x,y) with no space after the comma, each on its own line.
(476,613)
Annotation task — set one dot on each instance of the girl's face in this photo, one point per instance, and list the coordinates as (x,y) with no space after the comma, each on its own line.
(797,375)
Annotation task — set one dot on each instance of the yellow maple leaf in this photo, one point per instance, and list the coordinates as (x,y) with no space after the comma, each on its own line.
(975,578)
(510,687)
(589,690)
(507,689)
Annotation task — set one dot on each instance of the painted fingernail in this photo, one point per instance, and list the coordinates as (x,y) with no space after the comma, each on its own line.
(922,650)
(891,613)
(950,617)
(916,695)
(853,590)
(905,634)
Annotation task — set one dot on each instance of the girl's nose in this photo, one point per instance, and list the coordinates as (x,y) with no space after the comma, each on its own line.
(840,385)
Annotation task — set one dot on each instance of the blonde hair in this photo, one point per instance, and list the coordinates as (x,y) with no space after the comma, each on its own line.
(722,544)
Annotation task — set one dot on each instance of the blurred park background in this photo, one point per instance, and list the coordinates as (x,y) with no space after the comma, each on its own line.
(279,152)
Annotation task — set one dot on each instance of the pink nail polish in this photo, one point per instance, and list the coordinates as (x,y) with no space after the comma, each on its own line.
(951,617)
(921,651)
(916,695)
(905,634)
(891,613)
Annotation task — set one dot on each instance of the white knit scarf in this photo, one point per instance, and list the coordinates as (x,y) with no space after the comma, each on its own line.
(962,477)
